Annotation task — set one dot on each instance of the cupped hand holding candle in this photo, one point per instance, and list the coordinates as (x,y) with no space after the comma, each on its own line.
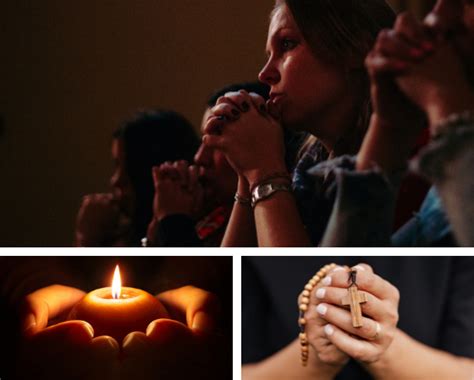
(116,311)
(63,350)
(188,346)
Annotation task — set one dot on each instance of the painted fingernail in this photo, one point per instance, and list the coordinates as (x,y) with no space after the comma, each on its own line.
(328,329)
(400,65)
(426,45)
(326,280)
(320,293)
(417,53)
(235,112)
(245,106)
(322,309)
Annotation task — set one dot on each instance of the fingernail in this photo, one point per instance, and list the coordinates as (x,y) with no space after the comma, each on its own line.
(245,106)
(320,293)
(427,45)
(326,280)
(80,332)
(400,65)
(328,329)
(89,329)
(203,322)
(136,340)
(416,52)
(322,309)
(358,267)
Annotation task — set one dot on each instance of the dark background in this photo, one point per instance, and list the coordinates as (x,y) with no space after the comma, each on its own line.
(20,276)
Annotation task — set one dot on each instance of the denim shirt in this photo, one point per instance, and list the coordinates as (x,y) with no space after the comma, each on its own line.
(364,201)
(429,227)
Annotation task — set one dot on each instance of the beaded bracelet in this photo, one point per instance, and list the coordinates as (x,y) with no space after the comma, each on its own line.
(303,306)
(241,200)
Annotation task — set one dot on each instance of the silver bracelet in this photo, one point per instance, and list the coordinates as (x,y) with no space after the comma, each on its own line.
(266,190)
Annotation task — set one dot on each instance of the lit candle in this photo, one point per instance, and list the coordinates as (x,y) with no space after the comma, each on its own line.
(118,310)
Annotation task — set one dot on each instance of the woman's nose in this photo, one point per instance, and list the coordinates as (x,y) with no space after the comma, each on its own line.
(269,74)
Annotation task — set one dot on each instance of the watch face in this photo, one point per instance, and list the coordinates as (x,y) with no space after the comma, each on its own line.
(264,190)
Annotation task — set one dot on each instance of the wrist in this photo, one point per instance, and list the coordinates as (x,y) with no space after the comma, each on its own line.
(277,173)
(380,368)
(243,187)
(393,130)
(446,104)
(324,370)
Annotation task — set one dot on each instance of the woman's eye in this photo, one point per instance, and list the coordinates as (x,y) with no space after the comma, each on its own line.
(288,44)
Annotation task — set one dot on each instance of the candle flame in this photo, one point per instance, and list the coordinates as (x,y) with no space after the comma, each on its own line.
(116,284)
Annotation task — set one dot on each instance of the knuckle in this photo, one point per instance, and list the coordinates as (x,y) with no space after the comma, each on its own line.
(396,295)
(372,358)
(384,33)
(327,357)
(368,329)
(389,335)
(219,100)
(393,316)
(369,281)
(358,353)
(403,18)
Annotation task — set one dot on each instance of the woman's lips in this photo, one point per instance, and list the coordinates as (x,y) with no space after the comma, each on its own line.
(274,105)
(276,98)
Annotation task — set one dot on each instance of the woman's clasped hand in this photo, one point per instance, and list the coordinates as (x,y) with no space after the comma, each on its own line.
(329,325)
(248,132)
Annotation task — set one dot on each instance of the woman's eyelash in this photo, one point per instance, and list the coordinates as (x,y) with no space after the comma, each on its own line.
(288,44)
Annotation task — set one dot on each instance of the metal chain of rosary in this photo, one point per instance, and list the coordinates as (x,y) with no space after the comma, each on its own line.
(303,306)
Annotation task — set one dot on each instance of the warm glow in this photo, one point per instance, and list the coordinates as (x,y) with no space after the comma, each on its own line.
(116,284)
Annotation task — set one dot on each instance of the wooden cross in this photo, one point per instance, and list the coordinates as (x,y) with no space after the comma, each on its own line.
(353,300)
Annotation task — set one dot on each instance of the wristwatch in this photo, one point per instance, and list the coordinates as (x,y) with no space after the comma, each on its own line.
(266,190)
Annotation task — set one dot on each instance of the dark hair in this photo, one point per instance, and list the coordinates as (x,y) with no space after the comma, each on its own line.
(259,88)
(151,138)
(342,32)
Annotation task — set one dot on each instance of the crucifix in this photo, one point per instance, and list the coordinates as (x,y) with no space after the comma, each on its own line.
(353,299)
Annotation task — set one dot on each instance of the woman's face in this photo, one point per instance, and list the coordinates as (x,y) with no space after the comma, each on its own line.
(303,87)
(119,181)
